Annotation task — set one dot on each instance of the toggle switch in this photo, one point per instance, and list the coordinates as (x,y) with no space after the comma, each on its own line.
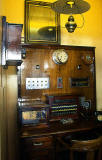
(59,82)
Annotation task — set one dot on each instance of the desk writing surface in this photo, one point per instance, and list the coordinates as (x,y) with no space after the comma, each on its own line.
(55,128)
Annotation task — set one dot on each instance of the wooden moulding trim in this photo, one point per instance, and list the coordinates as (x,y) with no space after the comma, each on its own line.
(54,46)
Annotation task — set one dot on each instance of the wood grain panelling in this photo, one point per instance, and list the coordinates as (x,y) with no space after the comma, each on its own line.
(3,120)
(8,98)
(3,133)
(43,57)
(1,124)
(12,113)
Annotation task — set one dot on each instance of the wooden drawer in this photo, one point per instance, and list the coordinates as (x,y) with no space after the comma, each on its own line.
(38,143)
(40,154)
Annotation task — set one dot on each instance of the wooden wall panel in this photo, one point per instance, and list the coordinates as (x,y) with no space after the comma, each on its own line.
(43,57)
(1,124)
(12,113)
(3,133)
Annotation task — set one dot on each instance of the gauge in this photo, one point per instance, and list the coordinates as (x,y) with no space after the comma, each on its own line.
(60,56)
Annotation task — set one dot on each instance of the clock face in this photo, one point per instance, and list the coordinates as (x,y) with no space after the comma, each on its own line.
(60,56)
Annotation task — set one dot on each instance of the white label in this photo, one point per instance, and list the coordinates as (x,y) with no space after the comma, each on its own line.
(37,83)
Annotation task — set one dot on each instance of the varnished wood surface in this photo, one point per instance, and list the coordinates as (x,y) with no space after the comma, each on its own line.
(46,46)
(13,40)
(3,98)
(42,56)
(87,146)
(57,128)
(11,117)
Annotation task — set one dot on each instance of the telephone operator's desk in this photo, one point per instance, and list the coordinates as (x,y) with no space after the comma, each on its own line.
(38,143)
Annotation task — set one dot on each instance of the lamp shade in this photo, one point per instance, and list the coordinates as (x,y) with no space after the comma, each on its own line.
(70,6)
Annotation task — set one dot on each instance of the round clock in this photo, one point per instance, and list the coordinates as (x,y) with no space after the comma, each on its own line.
(60,56)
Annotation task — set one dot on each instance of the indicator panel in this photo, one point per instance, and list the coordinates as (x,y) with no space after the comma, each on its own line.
(63,106)
(37,83)
(63,110)
(33,117)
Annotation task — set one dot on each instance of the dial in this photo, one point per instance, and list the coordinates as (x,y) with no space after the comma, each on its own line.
(60,56)
(87,59)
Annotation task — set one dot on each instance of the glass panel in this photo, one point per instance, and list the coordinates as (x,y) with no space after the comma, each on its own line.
(41,23)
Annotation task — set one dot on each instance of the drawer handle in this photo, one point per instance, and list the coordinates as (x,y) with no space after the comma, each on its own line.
(37,144)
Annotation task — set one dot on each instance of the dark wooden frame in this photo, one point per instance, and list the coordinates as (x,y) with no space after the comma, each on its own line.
(27,29)
(4,36)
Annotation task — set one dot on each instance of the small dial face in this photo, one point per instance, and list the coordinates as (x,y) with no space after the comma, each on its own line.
(63,56)
(60,56)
